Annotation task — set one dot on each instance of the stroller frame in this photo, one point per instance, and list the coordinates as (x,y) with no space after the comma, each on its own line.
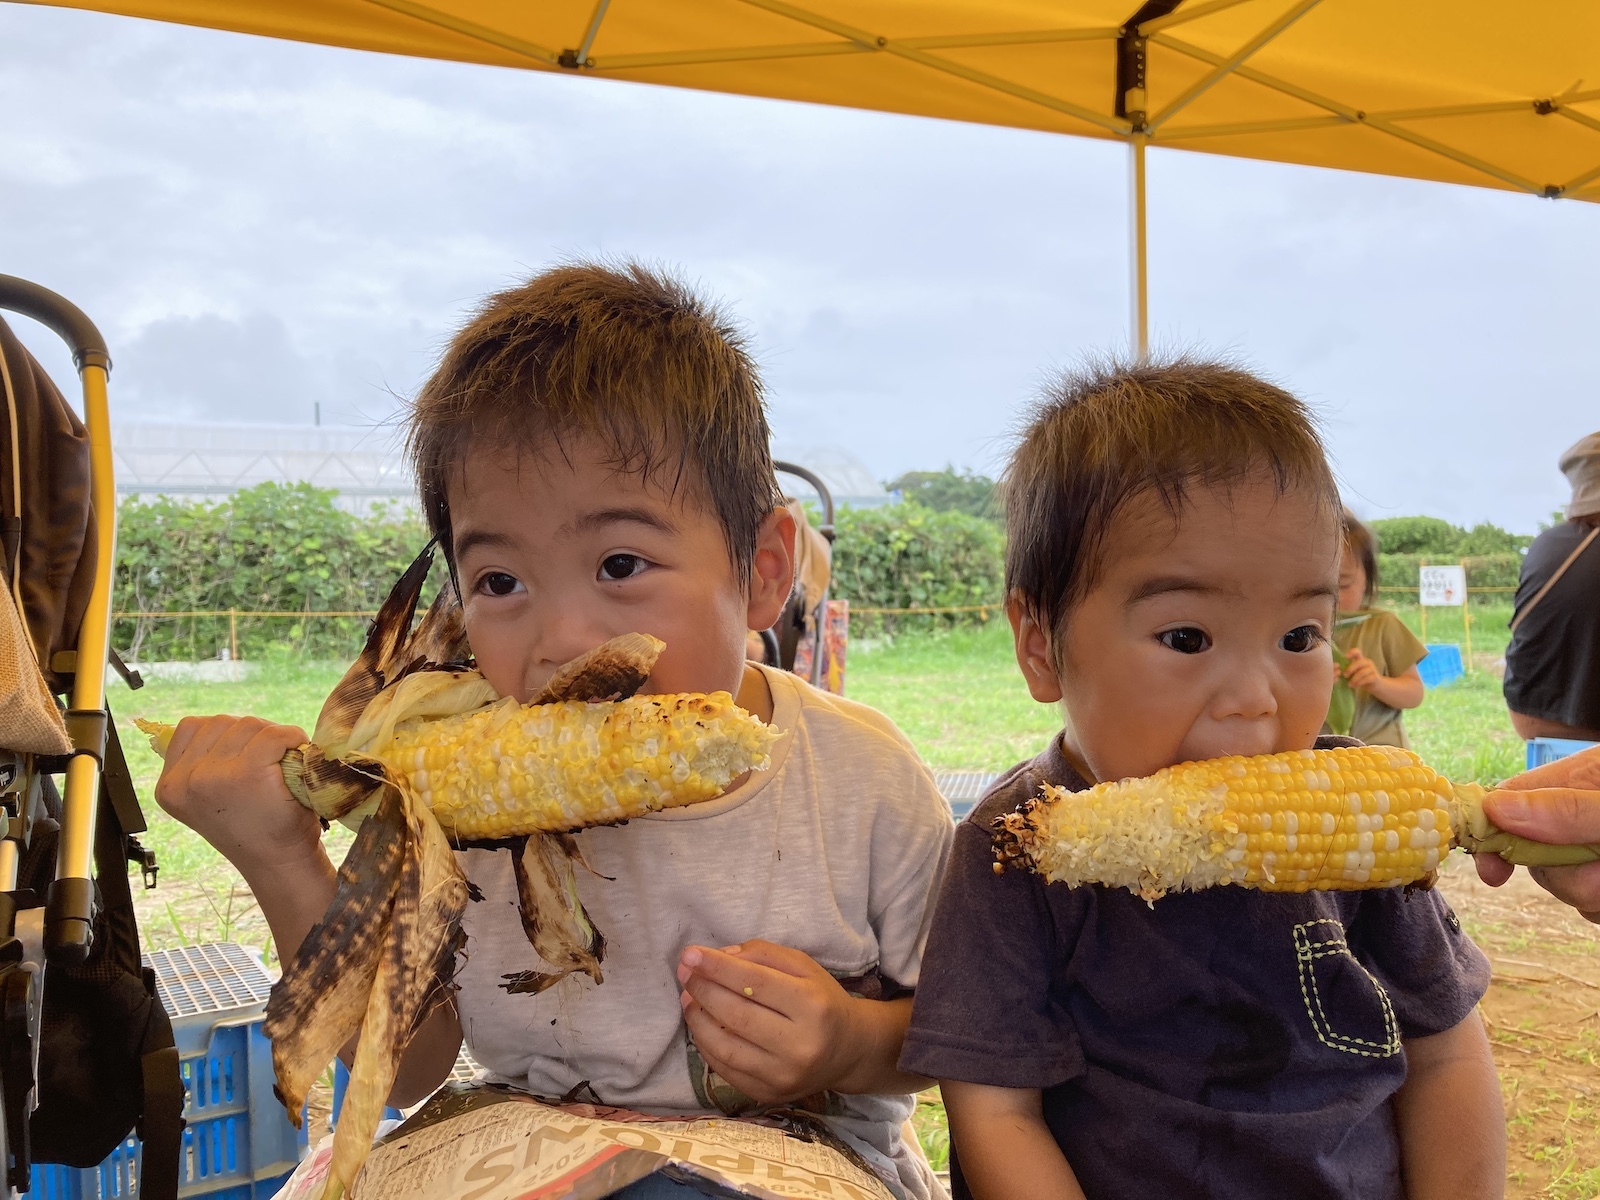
(69,905)
(820,615)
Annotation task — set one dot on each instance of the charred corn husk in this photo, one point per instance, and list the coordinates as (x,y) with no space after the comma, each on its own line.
(1362,817)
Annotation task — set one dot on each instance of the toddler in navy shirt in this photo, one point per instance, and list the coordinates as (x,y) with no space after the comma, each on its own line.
(1172,572)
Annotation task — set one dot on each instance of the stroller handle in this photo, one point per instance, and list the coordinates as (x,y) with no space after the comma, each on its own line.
(61,316)
(69,905)
(823,494)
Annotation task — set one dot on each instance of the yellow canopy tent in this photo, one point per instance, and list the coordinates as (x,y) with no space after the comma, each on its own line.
(1485,92)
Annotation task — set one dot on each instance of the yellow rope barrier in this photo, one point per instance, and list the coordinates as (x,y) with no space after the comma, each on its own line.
(864,611)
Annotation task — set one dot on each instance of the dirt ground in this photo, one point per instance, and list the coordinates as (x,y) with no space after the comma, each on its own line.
(1543,1014)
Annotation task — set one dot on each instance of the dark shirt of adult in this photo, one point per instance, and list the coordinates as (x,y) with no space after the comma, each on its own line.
(1552,684)
(1227,1042)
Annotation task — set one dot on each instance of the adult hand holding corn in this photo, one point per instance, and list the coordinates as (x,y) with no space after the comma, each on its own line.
(1557,803)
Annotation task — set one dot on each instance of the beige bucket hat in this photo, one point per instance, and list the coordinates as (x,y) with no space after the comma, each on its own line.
(1581,465)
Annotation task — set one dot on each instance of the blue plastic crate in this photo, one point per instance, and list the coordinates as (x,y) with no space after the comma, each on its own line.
(1547,750)
(239,1144)
(1441,666)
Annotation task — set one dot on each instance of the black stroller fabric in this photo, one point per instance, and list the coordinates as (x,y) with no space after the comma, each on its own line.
(107,1061)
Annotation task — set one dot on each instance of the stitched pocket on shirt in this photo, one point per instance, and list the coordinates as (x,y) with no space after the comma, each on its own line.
(1348,1007)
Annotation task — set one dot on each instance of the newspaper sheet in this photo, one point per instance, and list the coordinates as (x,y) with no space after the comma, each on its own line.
(483,1142)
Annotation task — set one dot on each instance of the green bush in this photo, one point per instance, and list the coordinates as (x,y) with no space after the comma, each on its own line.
(909,556)
(1444,542)
(949,490)
(268,548)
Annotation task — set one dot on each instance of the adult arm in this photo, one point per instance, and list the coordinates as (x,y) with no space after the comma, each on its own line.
(221,779)
(1450,1117)
(1558,803)
(1006,1150)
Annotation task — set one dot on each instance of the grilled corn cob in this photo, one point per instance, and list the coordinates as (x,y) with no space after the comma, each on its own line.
(509,770)
(1362,817)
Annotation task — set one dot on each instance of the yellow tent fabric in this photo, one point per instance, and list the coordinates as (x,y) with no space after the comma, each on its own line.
(1498,93)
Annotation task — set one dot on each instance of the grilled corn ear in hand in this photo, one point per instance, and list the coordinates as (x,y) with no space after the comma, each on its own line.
(1355,817)
(507,770)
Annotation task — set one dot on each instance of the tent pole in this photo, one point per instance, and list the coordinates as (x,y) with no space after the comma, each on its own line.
(1139,283)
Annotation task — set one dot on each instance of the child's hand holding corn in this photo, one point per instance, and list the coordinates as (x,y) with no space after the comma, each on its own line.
(222,779)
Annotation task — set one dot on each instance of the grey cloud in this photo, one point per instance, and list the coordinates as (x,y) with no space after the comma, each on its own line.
(330,216)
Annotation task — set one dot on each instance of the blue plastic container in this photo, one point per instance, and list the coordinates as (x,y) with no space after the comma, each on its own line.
(1547,750)
(1442,665)
(239,1144)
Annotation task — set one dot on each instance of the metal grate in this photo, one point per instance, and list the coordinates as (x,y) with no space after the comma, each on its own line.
(212,978)
(964,785)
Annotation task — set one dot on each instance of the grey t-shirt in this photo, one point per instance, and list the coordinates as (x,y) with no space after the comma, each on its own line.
(1227,1042)
(836,850)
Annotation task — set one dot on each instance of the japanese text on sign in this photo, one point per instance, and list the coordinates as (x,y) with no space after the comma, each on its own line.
(1443,586)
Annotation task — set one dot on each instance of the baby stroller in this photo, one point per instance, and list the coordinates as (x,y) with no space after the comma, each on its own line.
(86,1050)
(809,637)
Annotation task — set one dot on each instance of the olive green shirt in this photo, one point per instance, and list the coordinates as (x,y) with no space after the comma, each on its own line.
(1394,650)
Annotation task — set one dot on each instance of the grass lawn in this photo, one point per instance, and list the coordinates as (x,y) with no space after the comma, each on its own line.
(960,699)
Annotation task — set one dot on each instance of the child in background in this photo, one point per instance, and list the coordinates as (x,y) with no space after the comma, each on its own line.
(1381,653)
(592,453)
(1171,571)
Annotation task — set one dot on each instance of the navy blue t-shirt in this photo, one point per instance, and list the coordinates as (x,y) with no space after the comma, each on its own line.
(1227,1042)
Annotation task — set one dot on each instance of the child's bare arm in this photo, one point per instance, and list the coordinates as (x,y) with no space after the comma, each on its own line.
(1404,690)
(222,779)
(1451,1118)
(1006,1150)
(772,1022)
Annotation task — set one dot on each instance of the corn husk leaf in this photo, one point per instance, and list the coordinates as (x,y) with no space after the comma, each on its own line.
(318,1004)
(552,915)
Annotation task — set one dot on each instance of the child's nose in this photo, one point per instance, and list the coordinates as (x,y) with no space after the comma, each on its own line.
(557,640)
(1249,694)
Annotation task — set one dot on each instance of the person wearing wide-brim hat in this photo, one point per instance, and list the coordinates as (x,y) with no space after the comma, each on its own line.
(1552,684)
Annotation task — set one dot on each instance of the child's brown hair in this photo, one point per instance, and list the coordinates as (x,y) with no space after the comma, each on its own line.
(1103,435)
(1363,543)
(621,354)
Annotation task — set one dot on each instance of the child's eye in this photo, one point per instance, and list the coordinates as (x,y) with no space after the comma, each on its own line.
(498,583)
(622,566)
(1187,640)
(1301,639)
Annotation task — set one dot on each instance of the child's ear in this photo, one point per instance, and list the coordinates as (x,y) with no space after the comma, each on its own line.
(1033,652)
(772,568)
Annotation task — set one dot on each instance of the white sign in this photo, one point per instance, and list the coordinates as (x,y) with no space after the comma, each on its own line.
(1443,586)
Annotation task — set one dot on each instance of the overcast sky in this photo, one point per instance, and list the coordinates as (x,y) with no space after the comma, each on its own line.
(258,226)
